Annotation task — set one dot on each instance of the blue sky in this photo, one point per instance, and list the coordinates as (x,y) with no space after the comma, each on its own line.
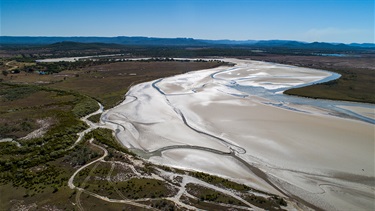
(304,20)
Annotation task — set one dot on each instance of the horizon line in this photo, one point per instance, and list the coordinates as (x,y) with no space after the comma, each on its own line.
(239,40)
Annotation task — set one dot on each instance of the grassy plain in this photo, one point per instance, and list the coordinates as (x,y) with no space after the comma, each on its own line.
(23,106)
(108,83)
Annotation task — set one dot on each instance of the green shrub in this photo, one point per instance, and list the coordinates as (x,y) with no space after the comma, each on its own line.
(85,106)
(95,118)
(105,136)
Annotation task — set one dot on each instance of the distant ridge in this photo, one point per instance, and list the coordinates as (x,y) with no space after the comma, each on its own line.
(65,45)
(113,40)
(153,41)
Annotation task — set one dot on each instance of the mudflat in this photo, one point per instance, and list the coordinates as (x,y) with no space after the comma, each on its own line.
(300,151)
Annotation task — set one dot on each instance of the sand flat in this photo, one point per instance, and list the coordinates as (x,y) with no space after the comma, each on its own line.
(302,149)
(280,135)
(368,112)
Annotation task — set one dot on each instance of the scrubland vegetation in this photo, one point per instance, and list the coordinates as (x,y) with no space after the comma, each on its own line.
(34,172)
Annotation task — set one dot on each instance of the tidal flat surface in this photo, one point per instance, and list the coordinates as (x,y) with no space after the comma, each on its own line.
(235,122)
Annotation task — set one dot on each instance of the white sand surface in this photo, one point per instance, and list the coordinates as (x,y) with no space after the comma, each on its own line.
(280,136)
(367,112)
(325,160)
(271,76)
(150,113)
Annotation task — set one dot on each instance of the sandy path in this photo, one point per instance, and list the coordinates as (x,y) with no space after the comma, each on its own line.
(105,154)
(92,126)
(188,179)
(12,67)
(80,190)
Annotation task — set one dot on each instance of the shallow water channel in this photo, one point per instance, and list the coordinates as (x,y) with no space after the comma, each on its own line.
(284,101)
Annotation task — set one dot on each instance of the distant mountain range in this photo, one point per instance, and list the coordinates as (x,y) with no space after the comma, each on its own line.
(152,41)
